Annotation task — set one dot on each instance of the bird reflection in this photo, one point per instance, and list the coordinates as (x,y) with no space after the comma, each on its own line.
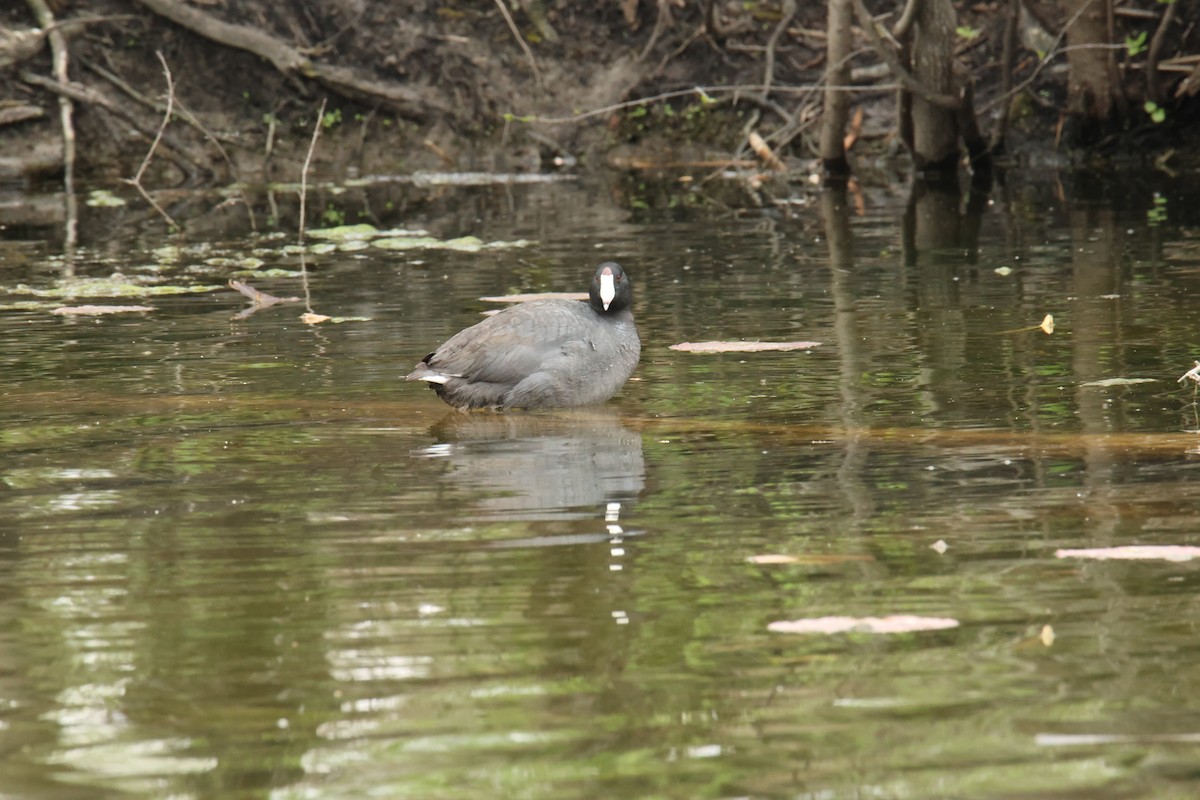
(541,466)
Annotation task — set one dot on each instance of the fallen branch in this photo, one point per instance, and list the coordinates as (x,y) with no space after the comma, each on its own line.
(290,61)
(258,300)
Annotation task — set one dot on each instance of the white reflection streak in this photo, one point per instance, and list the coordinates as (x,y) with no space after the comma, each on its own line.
(371,665)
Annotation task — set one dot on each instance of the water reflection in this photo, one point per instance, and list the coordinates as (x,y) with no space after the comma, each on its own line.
(544,466)
(241,560)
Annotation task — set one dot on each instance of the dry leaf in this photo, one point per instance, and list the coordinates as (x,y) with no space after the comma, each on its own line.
(741,347)
(1047,324)
(309,318)
(629,10)
(853,130)
(901,623)
(761,149)
(94,311)
(1136,552)
(1047,635)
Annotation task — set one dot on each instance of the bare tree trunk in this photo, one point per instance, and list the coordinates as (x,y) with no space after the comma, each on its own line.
(1093,88)
(1008,60)
(935,128)
(837,101)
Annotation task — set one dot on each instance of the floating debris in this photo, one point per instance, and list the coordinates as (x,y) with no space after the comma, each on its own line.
(1118,382)
(115,285)
(741,347)
(900,623)
(811,558)
(95,311)
(1135,552)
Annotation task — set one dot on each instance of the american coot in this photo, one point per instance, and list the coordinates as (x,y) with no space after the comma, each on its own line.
(543,353)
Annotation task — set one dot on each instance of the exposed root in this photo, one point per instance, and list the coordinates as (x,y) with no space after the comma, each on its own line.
(60,57)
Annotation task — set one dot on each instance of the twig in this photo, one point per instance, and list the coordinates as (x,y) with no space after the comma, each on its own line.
(789,11)
(898,71)
(187,116)
(516,32)
(60,57)
(82,93)
(119,82)
(661,20)
(741,91)
(137,178)
(1053,50)
(312,146)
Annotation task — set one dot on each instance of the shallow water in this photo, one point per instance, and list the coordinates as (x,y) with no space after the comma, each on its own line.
(243,558)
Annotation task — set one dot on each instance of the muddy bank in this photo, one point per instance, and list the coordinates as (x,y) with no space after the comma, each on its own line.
(547,88)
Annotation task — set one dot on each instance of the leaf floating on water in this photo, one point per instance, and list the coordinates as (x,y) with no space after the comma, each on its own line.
(812,558)
(309,318)
(1003,272)
(1136,552)
(1047,324)
(741,347)
(900,623)
(1192,374)
(1047,636)
(245,262)
(343,233)
(1118,382)
(95,311)
(525,298)
(940,547)
(463,244)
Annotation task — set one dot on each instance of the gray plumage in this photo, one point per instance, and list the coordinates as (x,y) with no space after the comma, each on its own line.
(541,354)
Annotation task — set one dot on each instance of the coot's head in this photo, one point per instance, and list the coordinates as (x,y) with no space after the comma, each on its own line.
(611,290)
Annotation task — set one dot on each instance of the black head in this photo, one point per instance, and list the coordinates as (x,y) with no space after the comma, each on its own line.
(610,277)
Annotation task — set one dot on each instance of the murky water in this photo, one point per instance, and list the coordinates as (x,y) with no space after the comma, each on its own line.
(244,559)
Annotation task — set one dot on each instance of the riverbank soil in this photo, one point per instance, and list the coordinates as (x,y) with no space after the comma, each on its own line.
(535,86)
